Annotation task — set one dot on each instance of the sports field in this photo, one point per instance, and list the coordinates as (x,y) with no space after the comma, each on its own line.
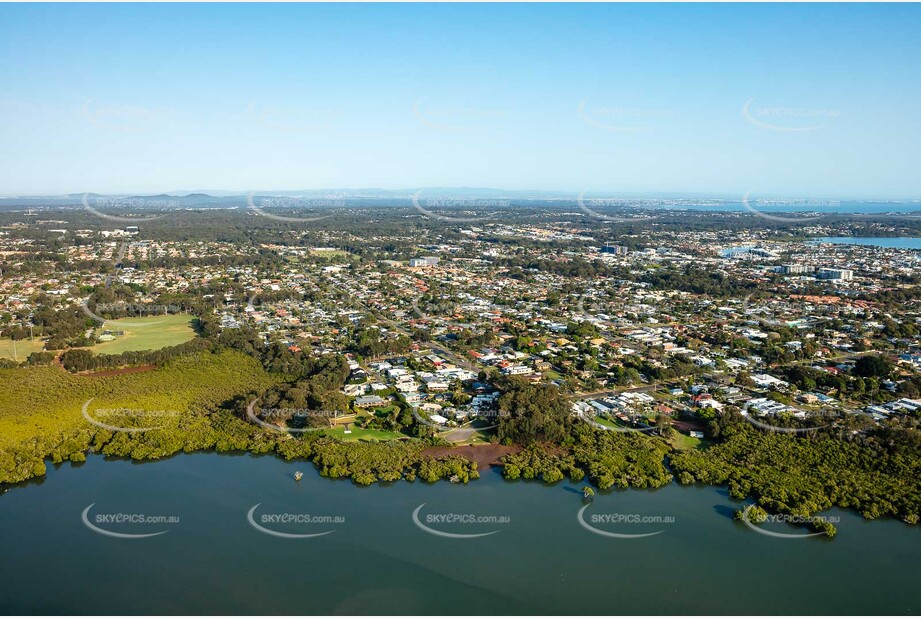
(24,347)
(146,333)
(330,253)
(362,434)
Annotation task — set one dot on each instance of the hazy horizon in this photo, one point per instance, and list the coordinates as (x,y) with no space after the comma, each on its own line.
(459,191)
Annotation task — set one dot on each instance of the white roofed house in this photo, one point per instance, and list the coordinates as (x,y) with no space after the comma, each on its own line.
(763,380)
(407,385)
(710,403)
(353,390)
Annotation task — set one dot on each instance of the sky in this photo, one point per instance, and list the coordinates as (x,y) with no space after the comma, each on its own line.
(795,100)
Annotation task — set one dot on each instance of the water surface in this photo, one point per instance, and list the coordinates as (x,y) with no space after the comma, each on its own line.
(378,561)
(872,241)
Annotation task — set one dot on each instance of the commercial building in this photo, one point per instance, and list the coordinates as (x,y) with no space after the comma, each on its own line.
(614,249)
(839,274)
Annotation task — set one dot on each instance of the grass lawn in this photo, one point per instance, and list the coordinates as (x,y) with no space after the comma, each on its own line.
(330,253)
(608,423)
(683,442)
(361,434)
(477,437)
(146,333)
(24,347)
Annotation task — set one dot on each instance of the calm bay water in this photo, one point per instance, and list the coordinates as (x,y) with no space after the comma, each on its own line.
(541,560)
(888,243)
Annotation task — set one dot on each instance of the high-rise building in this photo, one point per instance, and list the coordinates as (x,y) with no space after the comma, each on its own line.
(614,249)
(794,269)
(839,274)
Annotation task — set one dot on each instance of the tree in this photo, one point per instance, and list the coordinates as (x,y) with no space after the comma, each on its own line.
(873,366)
(533,413)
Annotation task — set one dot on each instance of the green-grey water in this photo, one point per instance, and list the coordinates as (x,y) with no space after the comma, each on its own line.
(898,242)
(377,560)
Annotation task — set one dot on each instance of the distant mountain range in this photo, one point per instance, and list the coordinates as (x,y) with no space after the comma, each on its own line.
(216,198)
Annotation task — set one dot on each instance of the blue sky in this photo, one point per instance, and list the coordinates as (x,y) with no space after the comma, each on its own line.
(795,100)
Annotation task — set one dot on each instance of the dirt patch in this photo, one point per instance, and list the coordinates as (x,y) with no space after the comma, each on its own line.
(686,426)
(484,455)
(118,372)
